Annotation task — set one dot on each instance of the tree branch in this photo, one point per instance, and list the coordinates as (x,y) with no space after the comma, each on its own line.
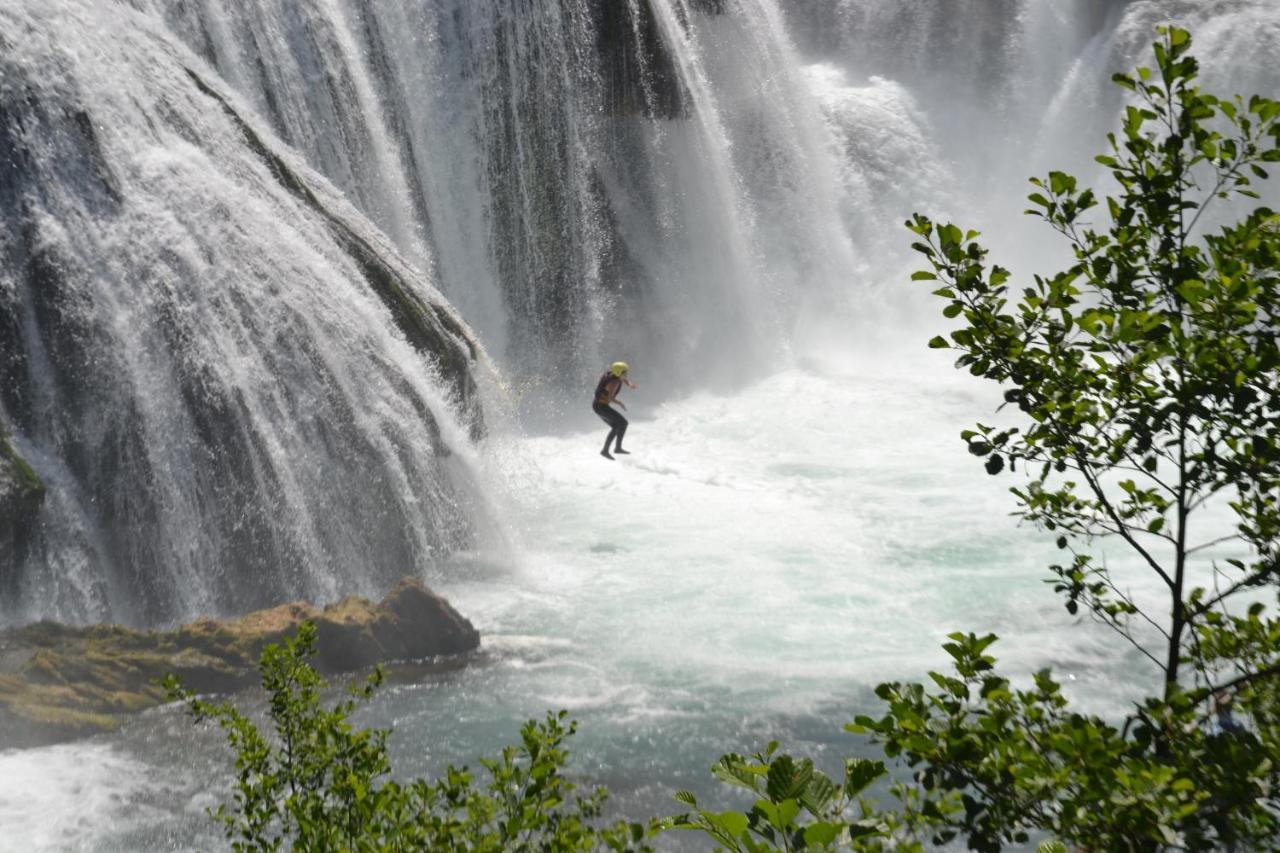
(1129,600)
(1207,605)
(1247,678)
(1124,530)
(1123,632)
(1213,542)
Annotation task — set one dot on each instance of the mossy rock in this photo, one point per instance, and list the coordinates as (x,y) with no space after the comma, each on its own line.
(59,682)
(14,469)
(21,496)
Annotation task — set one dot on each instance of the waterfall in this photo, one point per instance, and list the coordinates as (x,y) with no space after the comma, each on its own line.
(241,255)
(231,387)
(646,178)
(696,185)
(949,108)
(295,293)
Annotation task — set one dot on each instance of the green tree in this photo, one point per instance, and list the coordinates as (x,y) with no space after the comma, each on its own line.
(1147,375)
(1148,369)
(316,782)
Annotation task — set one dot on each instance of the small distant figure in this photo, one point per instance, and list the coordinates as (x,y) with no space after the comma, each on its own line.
(1227,723)
(607,389)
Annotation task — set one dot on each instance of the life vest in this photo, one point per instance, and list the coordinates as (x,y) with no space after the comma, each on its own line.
(603,387)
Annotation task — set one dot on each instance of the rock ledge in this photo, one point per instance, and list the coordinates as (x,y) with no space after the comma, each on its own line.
(59,682)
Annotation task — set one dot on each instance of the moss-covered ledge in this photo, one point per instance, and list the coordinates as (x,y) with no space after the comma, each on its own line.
(59,682)
(21,496)
(16,470)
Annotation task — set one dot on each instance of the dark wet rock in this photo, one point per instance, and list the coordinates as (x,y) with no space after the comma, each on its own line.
(636,64)
(59,682)
(709,7)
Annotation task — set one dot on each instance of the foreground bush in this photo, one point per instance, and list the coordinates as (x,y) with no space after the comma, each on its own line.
(317,783)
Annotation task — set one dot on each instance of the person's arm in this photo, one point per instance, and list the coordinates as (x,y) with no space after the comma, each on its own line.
(613,389)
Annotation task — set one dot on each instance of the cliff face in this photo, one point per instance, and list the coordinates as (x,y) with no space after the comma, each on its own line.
(59,682)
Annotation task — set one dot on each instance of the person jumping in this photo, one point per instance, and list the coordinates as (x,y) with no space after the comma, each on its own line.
(607,389)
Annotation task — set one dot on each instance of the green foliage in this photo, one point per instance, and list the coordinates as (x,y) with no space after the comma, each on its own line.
(1147,371)
(318,783)
(1019,761)
(797,807)
(26,475)
(1148,377)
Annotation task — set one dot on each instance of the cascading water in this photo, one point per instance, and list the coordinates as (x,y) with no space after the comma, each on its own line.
(708,188)
(949,108)
(585,181)
(582,185)
(206,352)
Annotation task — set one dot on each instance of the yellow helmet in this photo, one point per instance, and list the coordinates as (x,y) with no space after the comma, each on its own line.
(618,368)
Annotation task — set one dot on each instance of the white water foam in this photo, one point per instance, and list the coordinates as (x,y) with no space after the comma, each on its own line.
(61,798)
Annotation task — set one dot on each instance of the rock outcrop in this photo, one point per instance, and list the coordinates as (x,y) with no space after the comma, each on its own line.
(59,682)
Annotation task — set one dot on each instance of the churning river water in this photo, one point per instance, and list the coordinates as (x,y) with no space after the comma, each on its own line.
(759,563)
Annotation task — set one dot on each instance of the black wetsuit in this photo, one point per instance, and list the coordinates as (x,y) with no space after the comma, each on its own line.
(617,423)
